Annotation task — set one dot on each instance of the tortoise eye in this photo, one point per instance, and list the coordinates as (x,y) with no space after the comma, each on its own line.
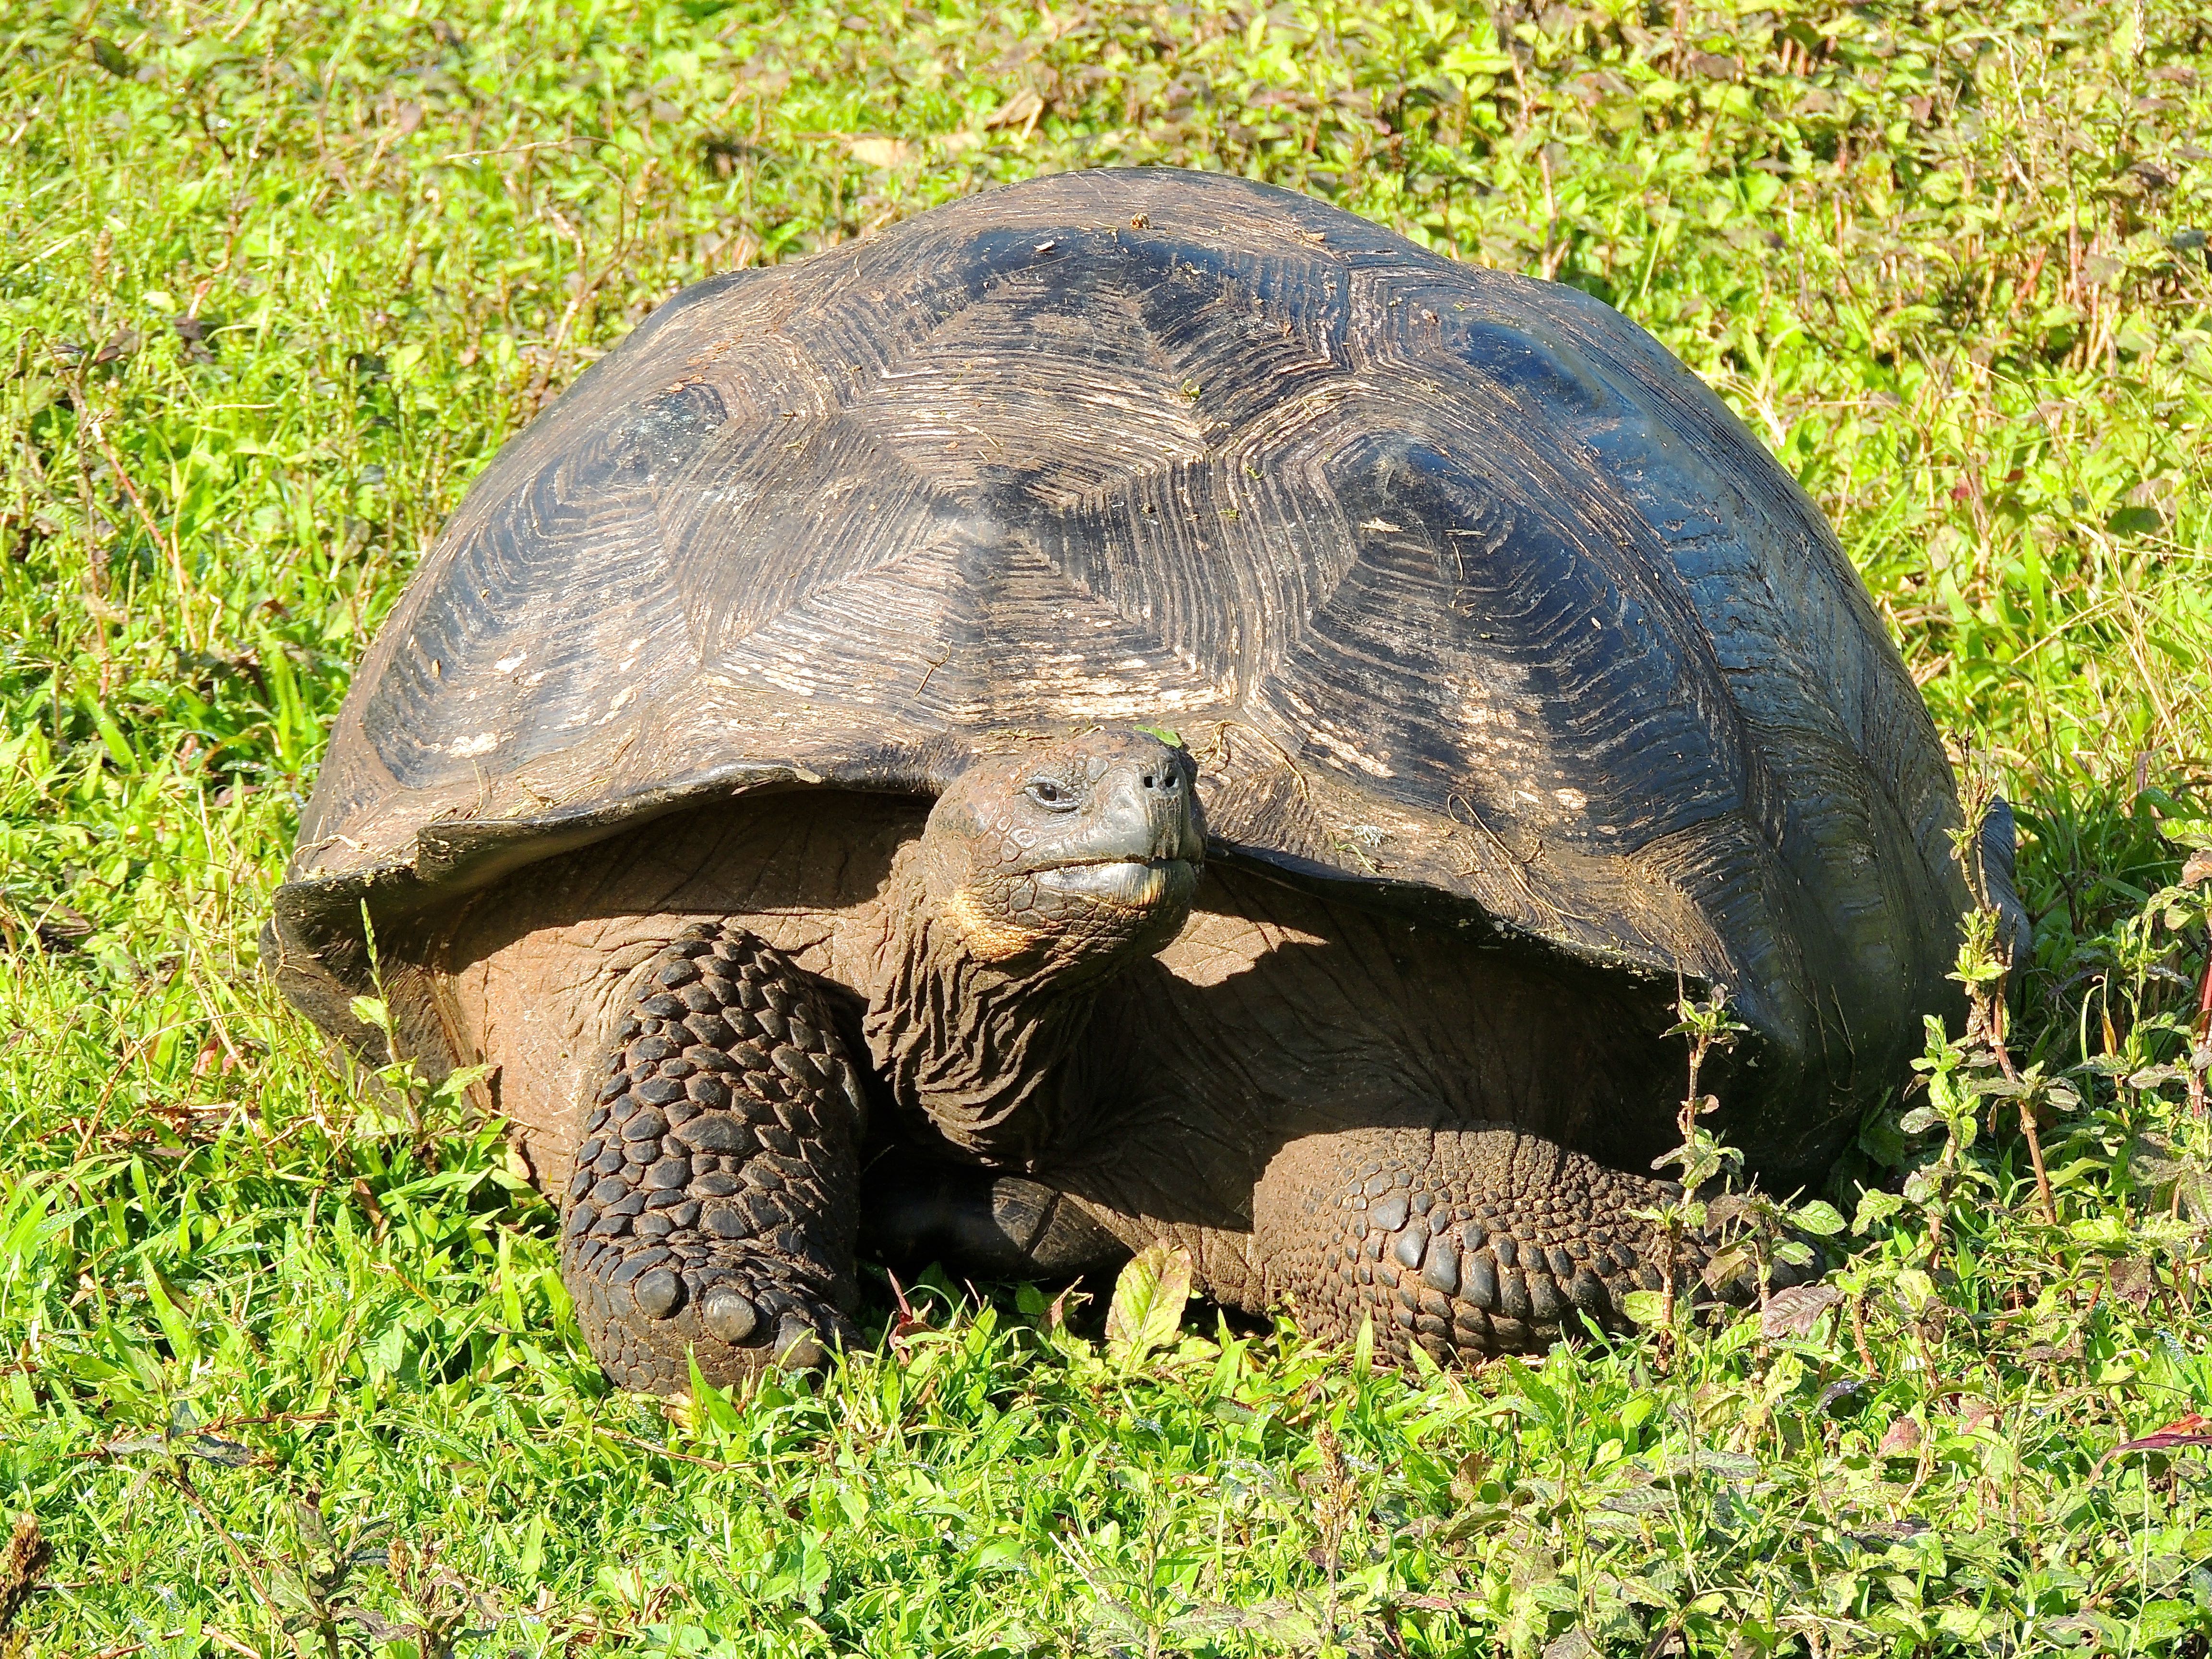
(1047,794)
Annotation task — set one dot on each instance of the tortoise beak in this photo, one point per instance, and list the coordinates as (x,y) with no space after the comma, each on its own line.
(1144,843)
(1149,811)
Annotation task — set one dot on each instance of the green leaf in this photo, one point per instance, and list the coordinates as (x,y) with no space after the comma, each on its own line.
(169,1313)
(314,1532)
(1576,1644)
(2162,1621)
(111,735)
(1647,1308)
(1819,1218)
(709,1401)
(1968,1624)
(288,1590)
(1166,734)
(1148,1297)
(1915,1288)
(461,1079)
(371,1011)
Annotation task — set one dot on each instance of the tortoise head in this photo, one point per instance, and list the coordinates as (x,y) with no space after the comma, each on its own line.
(1036,878)
(1066,861)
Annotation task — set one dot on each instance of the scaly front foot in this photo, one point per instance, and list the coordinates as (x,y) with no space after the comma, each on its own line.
(714,1205)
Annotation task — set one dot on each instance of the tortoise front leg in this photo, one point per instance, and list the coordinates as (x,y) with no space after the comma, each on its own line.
(714,1207)
(1471,1240)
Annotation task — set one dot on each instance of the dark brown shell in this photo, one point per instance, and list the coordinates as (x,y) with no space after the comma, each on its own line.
(1462,590)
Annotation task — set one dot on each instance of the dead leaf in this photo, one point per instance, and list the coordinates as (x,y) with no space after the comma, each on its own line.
(1901,1439)
(1726,1264)
(879,152)
(1795,1311)
(2189,1431)
(62,926)
(2182,1431)
(1437,1603)
(194,331)
(1884,1532)
(1283,1620)
(1063,1307)
(2131,1280)
(2199,867)
(1021,109)
(908,1325)
(1973,1412)
(2044,1353)
(1467,1479)
(1844,1392)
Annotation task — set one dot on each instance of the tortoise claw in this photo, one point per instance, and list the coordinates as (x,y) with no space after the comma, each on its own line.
(797,1345)
(658,1294)
(728,1315)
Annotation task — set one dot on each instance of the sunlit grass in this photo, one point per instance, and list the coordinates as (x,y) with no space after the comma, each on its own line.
(279,280)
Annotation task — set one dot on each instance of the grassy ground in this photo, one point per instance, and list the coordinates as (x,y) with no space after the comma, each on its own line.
(278,279)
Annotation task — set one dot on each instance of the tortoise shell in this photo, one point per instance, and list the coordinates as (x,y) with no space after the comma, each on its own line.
(1463,592)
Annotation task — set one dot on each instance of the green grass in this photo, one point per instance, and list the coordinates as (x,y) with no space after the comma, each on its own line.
(265,1360)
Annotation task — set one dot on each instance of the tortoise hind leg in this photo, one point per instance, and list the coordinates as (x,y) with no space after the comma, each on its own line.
(1471,1241)
(975,1221)
(715,1203)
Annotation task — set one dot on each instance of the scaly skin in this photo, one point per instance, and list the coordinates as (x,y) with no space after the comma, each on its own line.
(1466,1241)
(716,1198)
(1471,1240)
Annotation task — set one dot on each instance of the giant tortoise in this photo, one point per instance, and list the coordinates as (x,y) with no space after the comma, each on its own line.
(1132,707)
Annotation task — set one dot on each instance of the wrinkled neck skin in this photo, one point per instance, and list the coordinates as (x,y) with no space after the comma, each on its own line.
(1040,875)
(973,1025)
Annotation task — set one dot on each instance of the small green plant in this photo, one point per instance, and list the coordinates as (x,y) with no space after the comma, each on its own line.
(1740,1229)
(401,1102)
(1698,1159)
(1150,1294)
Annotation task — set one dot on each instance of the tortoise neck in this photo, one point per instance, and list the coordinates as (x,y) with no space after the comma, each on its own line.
(977,1048)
